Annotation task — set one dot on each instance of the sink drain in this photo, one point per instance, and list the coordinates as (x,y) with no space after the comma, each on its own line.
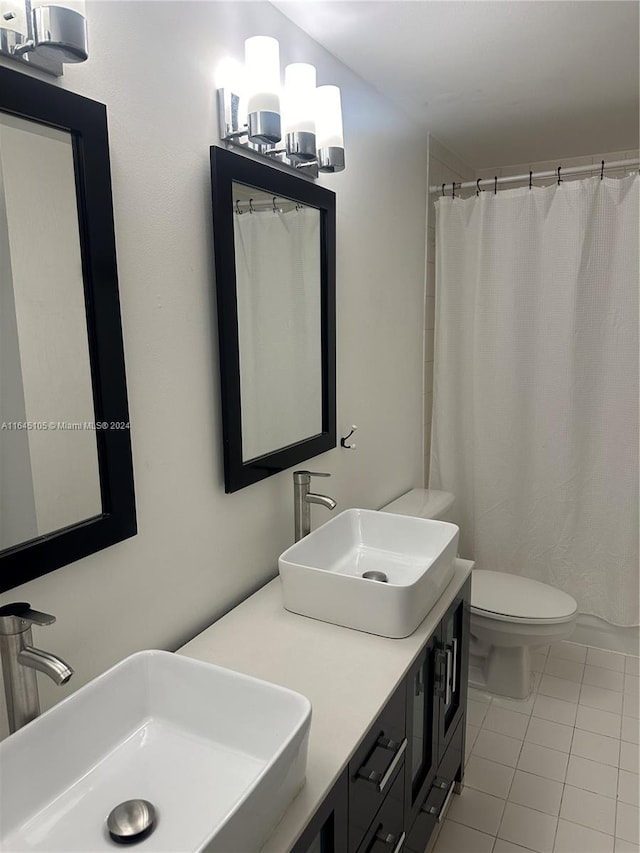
(131,821)
(375,576)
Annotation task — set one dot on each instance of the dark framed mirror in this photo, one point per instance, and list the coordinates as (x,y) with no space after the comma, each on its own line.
(274,248)
(66,474)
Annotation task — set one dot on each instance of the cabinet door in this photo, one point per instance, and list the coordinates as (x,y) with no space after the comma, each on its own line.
(422,760)
(453,666)
(327,829)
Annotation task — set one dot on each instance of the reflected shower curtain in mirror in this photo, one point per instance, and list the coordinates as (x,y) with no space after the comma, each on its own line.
(535,406)
(279,326)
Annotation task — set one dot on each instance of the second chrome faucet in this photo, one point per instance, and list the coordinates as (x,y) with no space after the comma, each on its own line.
(302,500)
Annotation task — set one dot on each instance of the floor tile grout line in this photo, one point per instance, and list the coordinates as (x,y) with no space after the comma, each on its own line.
(533,696)
(615,811)
(515,770)
(475,829)
(584,826)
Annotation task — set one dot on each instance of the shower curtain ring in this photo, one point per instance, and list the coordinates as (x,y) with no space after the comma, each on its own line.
(602,170)
(250,205)
(238,211)
(530,179)
(478,186)
(559,178)
(495,185)
(443,190)
(453,189)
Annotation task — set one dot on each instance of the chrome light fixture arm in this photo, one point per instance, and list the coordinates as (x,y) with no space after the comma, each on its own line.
(44,37)
(233,133)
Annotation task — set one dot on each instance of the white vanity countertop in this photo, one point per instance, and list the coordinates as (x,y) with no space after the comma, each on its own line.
(348,676)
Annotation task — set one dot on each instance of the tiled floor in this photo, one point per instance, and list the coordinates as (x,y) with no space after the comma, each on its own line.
(558,772)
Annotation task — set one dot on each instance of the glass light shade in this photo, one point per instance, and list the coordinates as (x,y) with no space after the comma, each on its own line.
(298,103)
(262,69)
(74,5)
(328,109)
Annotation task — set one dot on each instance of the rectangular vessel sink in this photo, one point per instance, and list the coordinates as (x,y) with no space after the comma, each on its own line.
(220,755)
(322,574)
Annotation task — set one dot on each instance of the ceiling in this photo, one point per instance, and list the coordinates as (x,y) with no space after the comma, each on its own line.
(498,82)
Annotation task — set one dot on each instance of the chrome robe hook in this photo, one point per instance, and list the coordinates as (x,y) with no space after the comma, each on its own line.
(343,441)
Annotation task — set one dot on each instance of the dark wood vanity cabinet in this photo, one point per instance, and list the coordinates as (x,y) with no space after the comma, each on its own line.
(400,779)
(374,769)
(436,723)
(326,832)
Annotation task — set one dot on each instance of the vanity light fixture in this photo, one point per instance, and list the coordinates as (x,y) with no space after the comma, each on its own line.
(329,129)
(308,119)
(44,35)
(262,64)
(299,112)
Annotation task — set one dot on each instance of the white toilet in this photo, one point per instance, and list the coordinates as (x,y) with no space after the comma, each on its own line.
(509,613)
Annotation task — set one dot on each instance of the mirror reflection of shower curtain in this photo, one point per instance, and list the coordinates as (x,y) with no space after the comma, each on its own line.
(279,327)
(535,408)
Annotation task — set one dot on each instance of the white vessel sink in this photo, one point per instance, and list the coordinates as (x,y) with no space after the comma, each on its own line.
(219,754)
(322,574)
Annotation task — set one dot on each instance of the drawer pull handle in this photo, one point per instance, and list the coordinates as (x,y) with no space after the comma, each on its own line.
(454,678)
(391,840)
(443,662)
(448,676)
(443,809)
(381,780)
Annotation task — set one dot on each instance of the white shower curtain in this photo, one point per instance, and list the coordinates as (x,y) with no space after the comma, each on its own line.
(535,407)
(279,330)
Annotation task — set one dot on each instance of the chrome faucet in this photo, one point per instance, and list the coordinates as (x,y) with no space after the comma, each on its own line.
(302,500)
(20,660)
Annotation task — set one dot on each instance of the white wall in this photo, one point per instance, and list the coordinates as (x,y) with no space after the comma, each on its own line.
(199,551)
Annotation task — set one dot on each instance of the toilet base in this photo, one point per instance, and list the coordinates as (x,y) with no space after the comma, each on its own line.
(478,678)
(508,671)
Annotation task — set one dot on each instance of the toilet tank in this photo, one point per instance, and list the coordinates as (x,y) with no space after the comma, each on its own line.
(422,503)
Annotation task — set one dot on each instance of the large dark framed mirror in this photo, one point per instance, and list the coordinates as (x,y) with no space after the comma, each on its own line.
(274,247)
(66,475)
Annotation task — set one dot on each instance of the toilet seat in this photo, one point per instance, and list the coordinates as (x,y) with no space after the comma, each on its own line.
(511,598)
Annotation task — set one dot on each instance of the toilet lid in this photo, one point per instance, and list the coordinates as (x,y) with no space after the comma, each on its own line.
(516,597)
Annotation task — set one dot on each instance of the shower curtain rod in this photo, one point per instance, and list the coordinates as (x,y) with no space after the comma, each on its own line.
(512,179)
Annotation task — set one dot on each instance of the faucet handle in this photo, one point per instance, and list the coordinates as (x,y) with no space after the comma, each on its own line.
(36,617)
(22,610)
(302,478)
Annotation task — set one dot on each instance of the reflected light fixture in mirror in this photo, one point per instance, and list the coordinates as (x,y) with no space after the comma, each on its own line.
(262,131)
(44,35)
